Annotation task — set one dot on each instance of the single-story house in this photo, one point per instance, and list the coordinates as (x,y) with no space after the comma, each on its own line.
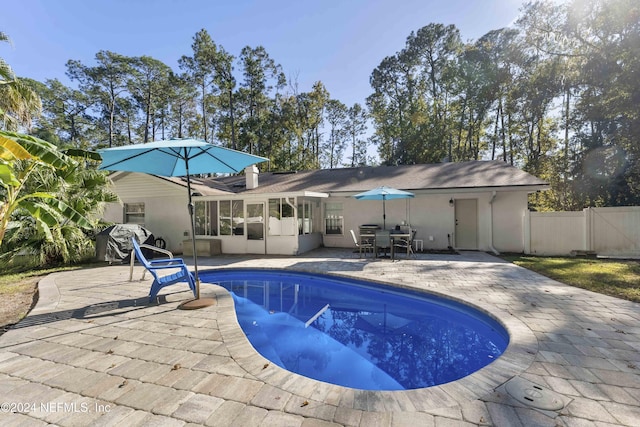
(476,205)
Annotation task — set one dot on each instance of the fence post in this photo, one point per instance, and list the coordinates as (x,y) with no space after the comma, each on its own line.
(588,225)
(526,231)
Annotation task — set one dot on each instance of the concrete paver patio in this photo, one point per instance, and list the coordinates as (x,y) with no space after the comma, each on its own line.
(93,352)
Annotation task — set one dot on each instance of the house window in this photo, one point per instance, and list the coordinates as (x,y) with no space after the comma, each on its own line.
(134,213)
(333,219)
(206,216)
(231,217)
(282,217)
(305,217)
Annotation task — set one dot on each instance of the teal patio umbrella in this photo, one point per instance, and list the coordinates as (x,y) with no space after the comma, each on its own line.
(178,157)
(384,193)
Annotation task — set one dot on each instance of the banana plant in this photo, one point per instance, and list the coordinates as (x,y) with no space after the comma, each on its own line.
(23,157)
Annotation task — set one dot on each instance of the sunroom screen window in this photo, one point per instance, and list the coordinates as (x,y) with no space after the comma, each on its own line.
(305,219)
(282,220)
(206,215)
(231,217)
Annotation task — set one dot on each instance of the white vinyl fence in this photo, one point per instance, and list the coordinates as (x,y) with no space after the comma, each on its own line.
(603,231)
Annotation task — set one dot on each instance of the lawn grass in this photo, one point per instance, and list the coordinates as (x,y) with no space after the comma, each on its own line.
(618,278)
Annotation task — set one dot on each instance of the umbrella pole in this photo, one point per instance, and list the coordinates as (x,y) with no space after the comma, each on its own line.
(384,213)
(192,219)
(197,302)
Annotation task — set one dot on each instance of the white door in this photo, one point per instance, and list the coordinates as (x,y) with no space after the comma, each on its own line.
(466,215)
(256,243)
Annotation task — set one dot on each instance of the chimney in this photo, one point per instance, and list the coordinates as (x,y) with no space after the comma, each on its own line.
(251,173)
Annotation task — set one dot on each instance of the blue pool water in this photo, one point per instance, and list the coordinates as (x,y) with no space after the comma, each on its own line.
(358,334)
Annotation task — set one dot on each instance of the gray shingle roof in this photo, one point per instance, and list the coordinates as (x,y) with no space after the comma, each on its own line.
(204,186)
(434,176)
(461,175)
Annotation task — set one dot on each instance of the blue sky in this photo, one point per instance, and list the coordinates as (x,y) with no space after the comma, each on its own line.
(338,42)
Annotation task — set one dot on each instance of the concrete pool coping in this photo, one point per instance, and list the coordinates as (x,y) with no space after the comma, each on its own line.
(517,357)
(92,339)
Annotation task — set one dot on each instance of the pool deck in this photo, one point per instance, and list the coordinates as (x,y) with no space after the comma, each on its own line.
(93,352)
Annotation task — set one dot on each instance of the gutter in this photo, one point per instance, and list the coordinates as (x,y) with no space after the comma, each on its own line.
(494,250)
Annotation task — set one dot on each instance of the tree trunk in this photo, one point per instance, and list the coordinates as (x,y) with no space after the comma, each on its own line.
(353,146)
(129,131)
(495,134)
(504,139)
(147,118)
(566,150)
(180,121)
(234,143)
(460,129)
(204,110)
(111,120)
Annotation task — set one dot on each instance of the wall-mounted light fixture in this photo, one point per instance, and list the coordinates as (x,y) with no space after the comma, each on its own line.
(451,202)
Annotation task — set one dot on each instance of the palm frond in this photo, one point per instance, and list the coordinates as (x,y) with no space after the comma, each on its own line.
(19,102)
(4,37)
(42,150)
(7,75)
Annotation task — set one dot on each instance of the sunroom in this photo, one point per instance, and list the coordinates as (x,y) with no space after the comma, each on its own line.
(276,224)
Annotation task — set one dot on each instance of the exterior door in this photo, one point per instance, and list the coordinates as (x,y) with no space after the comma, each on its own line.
(466,216)
(256,243)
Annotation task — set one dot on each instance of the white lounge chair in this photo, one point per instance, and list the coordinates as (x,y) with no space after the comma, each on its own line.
(365,244)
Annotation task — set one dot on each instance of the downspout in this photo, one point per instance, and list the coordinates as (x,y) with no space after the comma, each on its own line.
(494,250)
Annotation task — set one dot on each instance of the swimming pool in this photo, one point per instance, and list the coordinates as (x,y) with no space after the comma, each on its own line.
(358,334)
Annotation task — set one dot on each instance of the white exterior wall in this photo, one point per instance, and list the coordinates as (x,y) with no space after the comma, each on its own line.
(307,242)
(433,217)
(166,216)
(165,207)
(509,209)
(113,212)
